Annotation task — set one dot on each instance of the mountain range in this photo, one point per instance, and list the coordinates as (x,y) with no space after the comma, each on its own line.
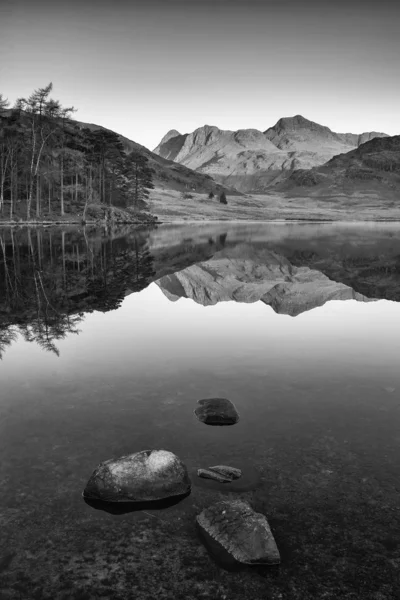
(250,160)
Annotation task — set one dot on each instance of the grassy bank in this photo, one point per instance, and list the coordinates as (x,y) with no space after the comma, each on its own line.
(171,207)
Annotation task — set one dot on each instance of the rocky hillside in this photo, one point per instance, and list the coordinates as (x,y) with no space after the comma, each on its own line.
(168,174)
(375,165)
(252,160)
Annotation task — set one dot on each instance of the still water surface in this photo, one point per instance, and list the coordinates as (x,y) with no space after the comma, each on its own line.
(109,341)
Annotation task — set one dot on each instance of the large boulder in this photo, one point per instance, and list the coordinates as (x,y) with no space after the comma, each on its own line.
(145,476)
(244,534)
(216,411)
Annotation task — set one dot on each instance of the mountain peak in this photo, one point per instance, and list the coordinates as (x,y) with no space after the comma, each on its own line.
(204,135)
(168,136)
(208,129)
(295,123)
(297,120)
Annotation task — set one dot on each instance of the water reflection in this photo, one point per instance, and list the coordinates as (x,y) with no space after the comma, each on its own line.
(49,278)
(245,274)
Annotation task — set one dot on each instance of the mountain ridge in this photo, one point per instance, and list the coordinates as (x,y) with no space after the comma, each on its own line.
(252,160)
(375,164)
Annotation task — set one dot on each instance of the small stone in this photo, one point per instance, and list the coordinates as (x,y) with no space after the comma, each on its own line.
(241,532)
(208,474)
(216,411)
(226,471)
(249,480)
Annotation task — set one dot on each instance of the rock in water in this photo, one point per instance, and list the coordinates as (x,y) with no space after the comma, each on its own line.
(241,532)
(226,471)
(209,474)
(145,476)
(249,480)
(217,411)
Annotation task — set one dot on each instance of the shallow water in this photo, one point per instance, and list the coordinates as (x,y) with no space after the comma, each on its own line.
(105,351)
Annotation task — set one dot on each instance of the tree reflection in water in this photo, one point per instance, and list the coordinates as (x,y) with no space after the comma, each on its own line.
(50,278)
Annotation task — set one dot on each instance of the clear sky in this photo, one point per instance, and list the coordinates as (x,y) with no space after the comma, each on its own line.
(142,67)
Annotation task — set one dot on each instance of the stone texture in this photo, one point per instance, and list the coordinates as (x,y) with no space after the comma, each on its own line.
(241,532)
(145,476)
(215,476)
(216,411)
(225,471)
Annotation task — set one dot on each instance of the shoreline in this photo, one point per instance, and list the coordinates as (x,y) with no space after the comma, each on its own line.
(192,222)
(60,223)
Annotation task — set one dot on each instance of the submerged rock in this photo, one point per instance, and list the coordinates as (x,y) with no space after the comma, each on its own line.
(123,508)
(145,476)
(209,474)
(226,471)
(244,534)
(216,411)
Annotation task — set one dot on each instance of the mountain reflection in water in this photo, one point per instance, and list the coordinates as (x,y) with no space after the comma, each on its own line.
(49,278)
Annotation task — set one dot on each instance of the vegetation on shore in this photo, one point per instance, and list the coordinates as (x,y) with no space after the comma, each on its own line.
(53,168)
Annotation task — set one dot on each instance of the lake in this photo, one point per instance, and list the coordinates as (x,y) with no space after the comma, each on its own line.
(108,341)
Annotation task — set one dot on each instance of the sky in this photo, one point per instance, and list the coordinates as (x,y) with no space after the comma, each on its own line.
(144,67)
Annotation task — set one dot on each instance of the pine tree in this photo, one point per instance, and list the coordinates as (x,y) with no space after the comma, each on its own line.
(222,198)
(138,179)
(4,103)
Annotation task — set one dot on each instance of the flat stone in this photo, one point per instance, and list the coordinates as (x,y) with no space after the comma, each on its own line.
(209,474)
(217,411)
(250,479)
(241,532)
(230,472)
(144,476)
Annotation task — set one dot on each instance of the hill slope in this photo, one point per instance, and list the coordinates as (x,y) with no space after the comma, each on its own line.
(168,174)
(373,166)
(251,160)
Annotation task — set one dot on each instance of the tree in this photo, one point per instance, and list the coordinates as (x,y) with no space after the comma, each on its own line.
(47,157)
(211,195)
(12,151)
(222,198)
(4,103)
(45,118)
(64,115)
(138,179)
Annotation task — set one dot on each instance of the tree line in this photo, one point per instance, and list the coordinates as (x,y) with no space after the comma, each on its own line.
(52,165)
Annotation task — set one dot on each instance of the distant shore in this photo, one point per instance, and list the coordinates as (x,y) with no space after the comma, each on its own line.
(192,221)
(171,207)
(71,222)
